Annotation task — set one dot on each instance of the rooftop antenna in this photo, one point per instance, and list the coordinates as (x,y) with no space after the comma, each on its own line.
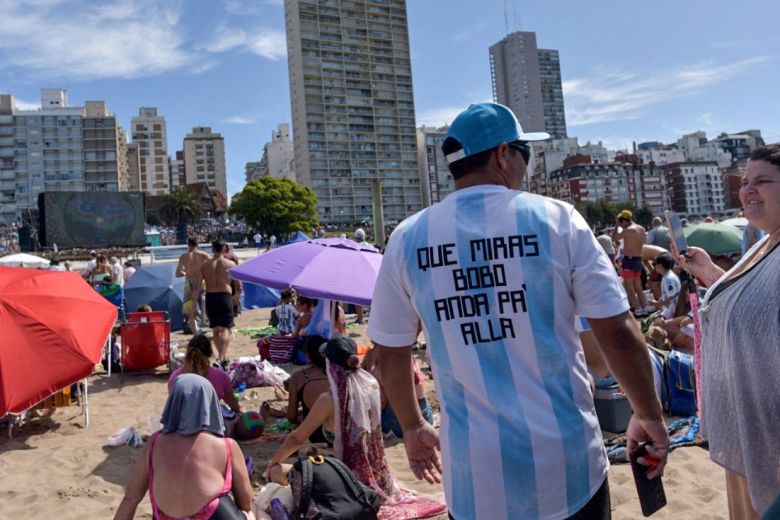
(511,18)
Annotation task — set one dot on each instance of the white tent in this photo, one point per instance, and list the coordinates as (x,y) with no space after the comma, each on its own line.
(24,260)
(739,222)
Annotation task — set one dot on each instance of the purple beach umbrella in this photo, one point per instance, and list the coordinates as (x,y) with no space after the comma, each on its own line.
(332,268)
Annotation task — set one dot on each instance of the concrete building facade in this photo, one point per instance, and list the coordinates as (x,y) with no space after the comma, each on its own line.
(133,167)
(204,158)
(435,178)
(353,106)
(278,157)
(49,149)
(696,188)
(528,80)
(150,133)
(105,150)
(7,171)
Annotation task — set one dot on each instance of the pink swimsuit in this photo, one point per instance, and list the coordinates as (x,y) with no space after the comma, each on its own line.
(204,512)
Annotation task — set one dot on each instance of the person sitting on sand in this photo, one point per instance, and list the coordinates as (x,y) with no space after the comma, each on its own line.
(305,308)
(189,467)
(305,386)
(389,420)
(197,360)
(350,414)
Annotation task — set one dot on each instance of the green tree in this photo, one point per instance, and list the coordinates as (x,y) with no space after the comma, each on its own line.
(601,213)
(181,206)
(276,206)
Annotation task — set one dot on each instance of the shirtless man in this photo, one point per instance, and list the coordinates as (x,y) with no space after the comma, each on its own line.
(188,266)
(633,237)
(219,300)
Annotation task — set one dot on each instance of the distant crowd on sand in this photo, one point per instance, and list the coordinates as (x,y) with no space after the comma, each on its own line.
(522,307)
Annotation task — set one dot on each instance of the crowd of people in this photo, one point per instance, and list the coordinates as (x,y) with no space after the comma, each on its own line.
(503,283)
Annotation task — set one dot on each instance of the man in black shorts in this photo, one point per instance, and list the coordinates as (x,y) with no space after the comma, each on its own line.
(219,299)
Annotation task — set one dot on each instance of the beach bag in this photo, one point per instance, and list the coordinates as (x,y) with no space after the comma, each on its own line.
(280,348)
(324,488)
(680,384)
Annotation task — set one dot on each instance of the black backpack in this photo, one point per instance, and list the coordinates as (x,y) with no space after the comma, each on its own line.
(324,488)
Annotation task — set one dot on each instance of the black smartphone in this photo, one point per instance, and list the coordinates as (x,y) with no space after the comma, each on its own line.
(650,491)
(675,227)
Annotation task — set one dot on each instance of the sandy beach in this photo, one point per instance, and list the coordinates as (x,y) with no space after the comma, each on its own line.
(54,467)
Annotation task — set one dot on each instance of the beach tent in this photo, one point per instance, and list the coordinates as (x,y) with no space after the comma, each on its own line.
(738,222)
(24,260)
(257,296)
(54,329)
(157,286)
(298,236)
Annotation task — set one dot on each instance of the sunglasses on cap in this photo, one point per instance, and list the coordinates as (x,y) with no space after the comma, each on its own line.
(523,147)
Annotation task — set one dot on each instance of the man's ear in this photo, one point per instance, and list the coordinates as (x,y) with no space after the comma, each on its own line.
(502,156)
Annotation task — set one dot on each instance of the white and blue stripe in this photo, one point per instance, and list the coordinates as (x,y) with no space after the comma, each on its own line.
(519,436)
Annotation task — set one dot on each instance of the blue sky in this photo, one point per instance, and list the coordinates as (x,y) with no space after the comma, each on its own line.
(632,71)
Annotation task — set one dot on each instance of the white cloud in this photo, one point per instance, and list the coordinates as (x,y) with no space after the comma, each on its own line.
(267,43)
(437,117)
(85,40)
(611,95)
(242,8)
(238,120)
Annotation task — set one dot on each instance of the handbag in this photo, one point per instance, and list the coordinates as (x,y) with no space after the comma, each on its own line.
(324,488)
(680,384)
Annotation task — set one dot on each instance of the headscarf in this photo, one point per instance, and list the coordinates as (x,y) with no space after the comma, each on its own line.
(192,407)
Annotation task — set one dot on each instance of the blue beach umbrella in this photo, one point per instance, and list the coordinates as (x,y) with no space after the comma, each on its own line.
(157,286)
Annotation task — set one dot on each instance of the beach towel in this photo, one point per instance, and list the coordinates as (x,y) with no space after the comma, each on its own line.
(359,444)
(682,432)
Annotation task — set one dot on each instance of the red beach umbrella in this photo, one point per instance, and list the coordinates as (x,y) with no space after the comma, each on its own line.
(53,326)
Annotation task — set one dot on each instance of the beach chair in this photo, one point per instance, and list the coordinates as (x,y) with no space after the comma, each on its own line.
(146,340)
(47,407)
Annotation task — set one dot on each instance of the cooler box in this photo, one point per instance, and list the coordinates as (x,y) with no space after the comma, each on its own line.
(612,409)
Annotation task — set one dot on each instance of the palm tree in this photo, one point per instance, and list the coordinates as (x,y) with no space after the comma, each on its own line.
(181,205)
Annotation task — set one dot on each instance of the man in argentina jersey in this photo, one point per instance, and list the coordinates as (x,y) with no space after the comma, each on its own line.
(496,277)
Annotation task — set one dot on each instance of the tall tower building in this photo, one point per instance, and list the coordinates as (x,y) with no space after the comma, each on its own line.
(105,150)
(49,145)
(528,80)
(435,176)
(7,172)
(133,168)
(150,133)
(204,159)
(352,106)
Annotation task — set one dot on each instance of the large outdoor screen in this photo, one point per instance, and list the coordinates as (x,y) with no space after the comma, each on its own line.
(92,219)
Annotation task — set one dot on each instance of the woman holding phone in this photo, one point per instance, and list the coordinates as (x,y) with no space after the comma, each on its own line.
(740,319)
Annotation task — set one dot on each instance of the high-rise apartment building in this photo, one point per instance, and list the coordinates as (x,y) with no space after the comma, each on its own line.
(278,157)
(352,106)
(528,80)
(49,149)
(178,173)
(7,172)
(105,150)
(133,168)
(696,188)
(435,177)
(150,133)
(204,158)
(57,148)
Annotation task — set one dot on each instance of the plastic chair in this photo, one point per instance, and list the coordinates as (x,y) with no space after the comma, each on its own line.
(146,340)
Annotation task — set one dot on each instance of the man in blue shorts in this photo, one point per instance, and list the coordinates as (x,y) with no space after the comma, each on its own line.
(496,277)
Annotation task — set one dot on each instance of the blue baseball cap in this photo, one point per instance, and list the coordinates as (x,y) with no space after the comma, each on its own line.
(483,126)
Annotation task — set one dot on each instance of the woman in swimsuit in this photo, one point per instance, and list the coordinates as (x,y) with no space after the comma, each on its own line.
(189,467)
